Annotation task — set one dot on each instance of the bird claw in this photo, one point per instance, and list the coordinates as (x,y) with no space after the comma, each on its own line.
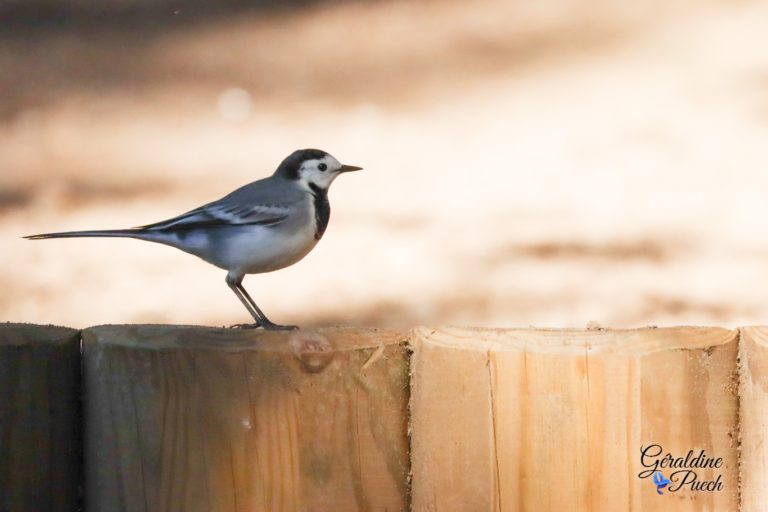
(245,326)
(276,327)
(267,326)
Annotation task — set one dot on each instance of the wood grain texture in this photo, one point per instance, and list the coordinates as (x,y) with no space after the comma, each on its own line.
(753,413)
(217,420)
(39,418)
(555,420)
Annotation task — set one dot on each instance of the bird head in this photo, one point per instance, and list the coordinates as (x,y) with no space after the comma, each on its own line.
(312,167)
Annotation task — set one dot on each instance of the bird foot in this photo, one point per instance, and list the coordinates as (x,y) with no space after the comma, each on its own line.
(269,326)
(245,326)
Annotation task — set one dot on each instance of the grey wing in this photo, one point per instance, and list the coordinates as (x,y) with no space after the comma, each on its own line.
(255,204)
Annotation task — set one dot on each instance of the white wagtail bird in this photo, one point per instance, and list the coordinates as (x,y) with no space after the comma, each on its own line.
(264,226)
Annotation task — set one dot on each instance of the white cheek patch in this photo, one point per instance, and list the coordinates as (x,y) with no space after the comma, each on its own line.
(332,163)
(317,179)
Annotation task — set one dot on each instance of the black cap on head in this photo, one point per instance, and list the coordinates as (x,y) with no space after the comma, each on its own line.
(289,168)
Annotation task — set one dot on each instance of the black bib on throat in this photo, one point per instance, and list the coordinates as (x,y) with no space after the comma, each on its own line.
(322,209)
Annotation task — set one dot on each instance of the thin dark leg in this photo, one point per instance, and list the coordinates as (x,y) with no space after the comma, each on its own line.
(263,320)
(247,305)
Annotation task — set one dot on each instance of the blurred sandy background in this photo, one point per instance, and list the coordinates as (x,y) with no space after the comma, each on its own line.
(543,162)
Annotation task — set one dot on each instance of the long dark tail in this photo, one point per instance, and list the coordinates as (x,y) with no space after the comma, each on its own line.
(112,233)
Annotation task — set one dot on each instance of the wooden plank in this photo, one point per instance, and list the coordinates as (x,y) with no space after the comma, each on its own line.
(554,420)
(753,416)
(39,418)
(217,420)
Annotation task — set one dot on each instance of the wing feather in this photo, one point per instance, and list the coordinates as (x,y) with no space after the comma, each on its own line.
(221,215)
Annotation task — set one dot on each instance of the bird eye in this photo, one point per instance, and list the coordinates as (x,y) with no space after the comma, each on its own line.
(322,167)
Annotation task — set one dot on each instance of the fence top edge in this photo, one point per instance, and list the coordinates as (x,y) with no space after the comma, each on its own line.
(640,341)
(165,337)
(23,334)
(756,334)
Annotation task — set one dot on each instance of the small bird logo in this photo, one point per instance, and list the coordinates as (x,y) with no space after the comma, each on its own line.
(264,226)
(660,481)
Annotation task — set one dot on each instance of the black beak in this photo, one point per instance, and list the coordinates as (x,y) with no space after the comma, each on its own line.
(349,168)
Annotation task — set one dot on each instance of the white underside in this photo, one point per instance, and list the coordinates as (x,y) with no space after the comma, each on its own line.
(260,249)
(252,249)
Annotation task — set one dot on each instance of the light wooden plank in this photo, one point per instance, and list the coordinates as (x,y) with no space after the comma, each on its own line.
(554,420)
(196,419)
(753,394)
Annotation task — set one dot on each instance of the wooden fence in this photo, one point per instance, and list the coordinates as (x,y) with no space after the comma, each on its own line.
(199,419)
